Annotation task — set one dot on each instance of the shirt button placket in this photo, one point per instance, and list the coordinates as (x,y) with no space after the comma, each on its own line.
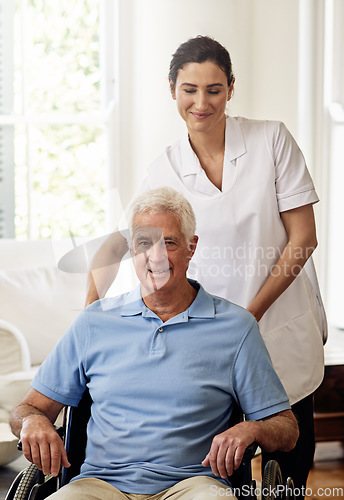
(158,345)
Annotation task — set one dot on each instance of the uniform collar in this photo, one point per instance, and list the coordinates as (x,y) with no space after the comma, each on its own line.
(201,307)
(234,148)
(234,140)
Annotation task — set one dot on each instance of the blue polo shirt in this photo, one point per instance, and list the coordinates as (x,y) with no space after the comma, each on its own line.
(160,391)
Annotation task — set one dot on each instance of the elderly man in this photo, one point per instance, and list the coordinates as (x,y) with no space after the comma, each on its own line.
(163,364)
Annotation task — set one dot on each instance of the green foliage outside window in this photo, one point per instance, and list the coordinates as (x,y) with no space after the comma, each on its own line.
(58,68)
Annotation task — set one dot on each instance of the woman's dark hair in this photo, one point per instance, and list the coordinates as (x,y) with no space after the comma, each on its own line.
(198,50)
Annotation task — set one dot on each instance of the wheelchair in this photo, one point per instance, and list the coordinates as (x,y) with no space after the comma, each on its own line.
(31,484)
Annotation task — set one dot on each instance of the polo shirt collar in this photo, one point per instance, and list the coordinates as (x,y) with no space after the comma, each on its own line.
(202,306)
(133,303)
(234,148)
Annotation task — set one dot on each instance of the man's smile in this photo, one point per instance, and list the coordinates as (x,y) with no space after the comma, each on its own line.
(159,271)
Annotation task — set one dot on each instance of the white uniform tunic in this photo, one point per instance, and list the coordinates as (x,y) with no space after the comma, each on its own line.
(241,237)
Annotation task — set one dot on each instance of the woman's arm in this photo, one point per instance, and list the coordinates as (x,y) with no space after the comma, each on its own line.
(104,266)
(300,227)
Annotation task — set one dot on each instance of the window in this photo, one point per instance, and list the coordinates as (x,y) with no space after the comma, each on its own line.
(54,117)
(334,109)
(6,129)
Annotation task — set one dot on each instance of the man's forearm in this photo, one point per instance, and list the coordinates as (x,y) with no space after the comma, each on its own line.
(35,405)
(279,432)
(40,442)
(22,412)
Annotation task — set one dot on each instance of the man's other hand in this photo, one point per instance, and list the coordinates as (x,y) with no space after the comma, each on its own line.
(42,445)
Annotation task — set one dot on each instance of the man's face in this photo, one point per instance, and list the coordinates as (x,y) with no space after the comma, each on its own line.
(161,254)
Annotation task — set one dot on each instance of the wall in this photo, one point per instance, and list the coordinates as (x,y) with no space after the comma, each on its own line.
(262,38)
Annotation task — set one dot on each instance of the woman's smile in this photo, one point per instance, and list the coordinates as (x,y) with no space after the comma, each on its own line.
(200,116)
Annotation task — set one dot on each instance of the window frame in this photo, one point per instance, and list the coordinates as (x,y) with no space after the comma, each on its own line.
(6,128)
(333,115)
(107,116)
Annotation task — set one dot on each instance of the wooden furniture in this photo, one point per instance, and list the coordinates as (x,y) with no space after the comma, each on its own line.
(329,397)
(329,406)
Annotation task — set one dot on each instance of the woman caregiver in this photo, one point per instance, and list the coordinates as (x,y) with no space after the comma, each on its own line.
(252,195)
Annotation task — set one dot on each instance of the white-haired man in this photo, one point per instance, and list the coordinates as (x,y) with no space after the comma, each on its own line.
(163,364)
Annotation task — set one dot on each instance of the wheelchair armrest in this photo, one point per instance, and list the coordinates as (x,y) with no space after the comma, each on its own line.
(250,453)
(60,431)
(242,477)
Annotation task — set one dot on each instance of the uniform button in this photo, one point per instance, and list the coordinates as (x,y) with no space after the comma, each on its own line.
(161,329)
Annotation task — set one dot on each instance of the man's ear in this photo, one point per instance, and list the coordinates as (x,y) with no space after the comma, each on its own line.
(172,88)
(193,245)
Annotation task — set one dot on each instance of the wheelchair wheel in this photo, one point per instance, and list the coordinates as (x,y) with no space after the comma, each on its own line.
(290,489)
(14,486)
(28,480)
(272,479)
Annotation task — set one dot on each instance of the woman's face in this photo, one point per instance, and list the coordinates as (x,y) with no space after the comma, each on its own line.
(201,92)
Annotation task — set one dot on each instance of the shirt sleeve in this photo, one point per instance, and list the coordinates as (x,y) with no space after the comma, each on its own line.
(259,390)
(294,185)
(61,376)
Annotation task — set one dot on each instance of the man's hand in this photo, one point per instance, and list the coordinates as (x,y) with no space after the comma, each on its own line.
(42,445)
(277,432)
(228,448)
(32,421)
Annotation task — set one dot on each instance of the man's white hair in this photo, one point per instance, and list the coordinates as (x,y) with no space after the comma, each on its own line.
(165,200)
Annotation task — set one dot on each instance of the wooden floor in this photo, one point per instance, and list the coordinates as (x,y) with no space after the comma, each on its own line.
(326,479)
